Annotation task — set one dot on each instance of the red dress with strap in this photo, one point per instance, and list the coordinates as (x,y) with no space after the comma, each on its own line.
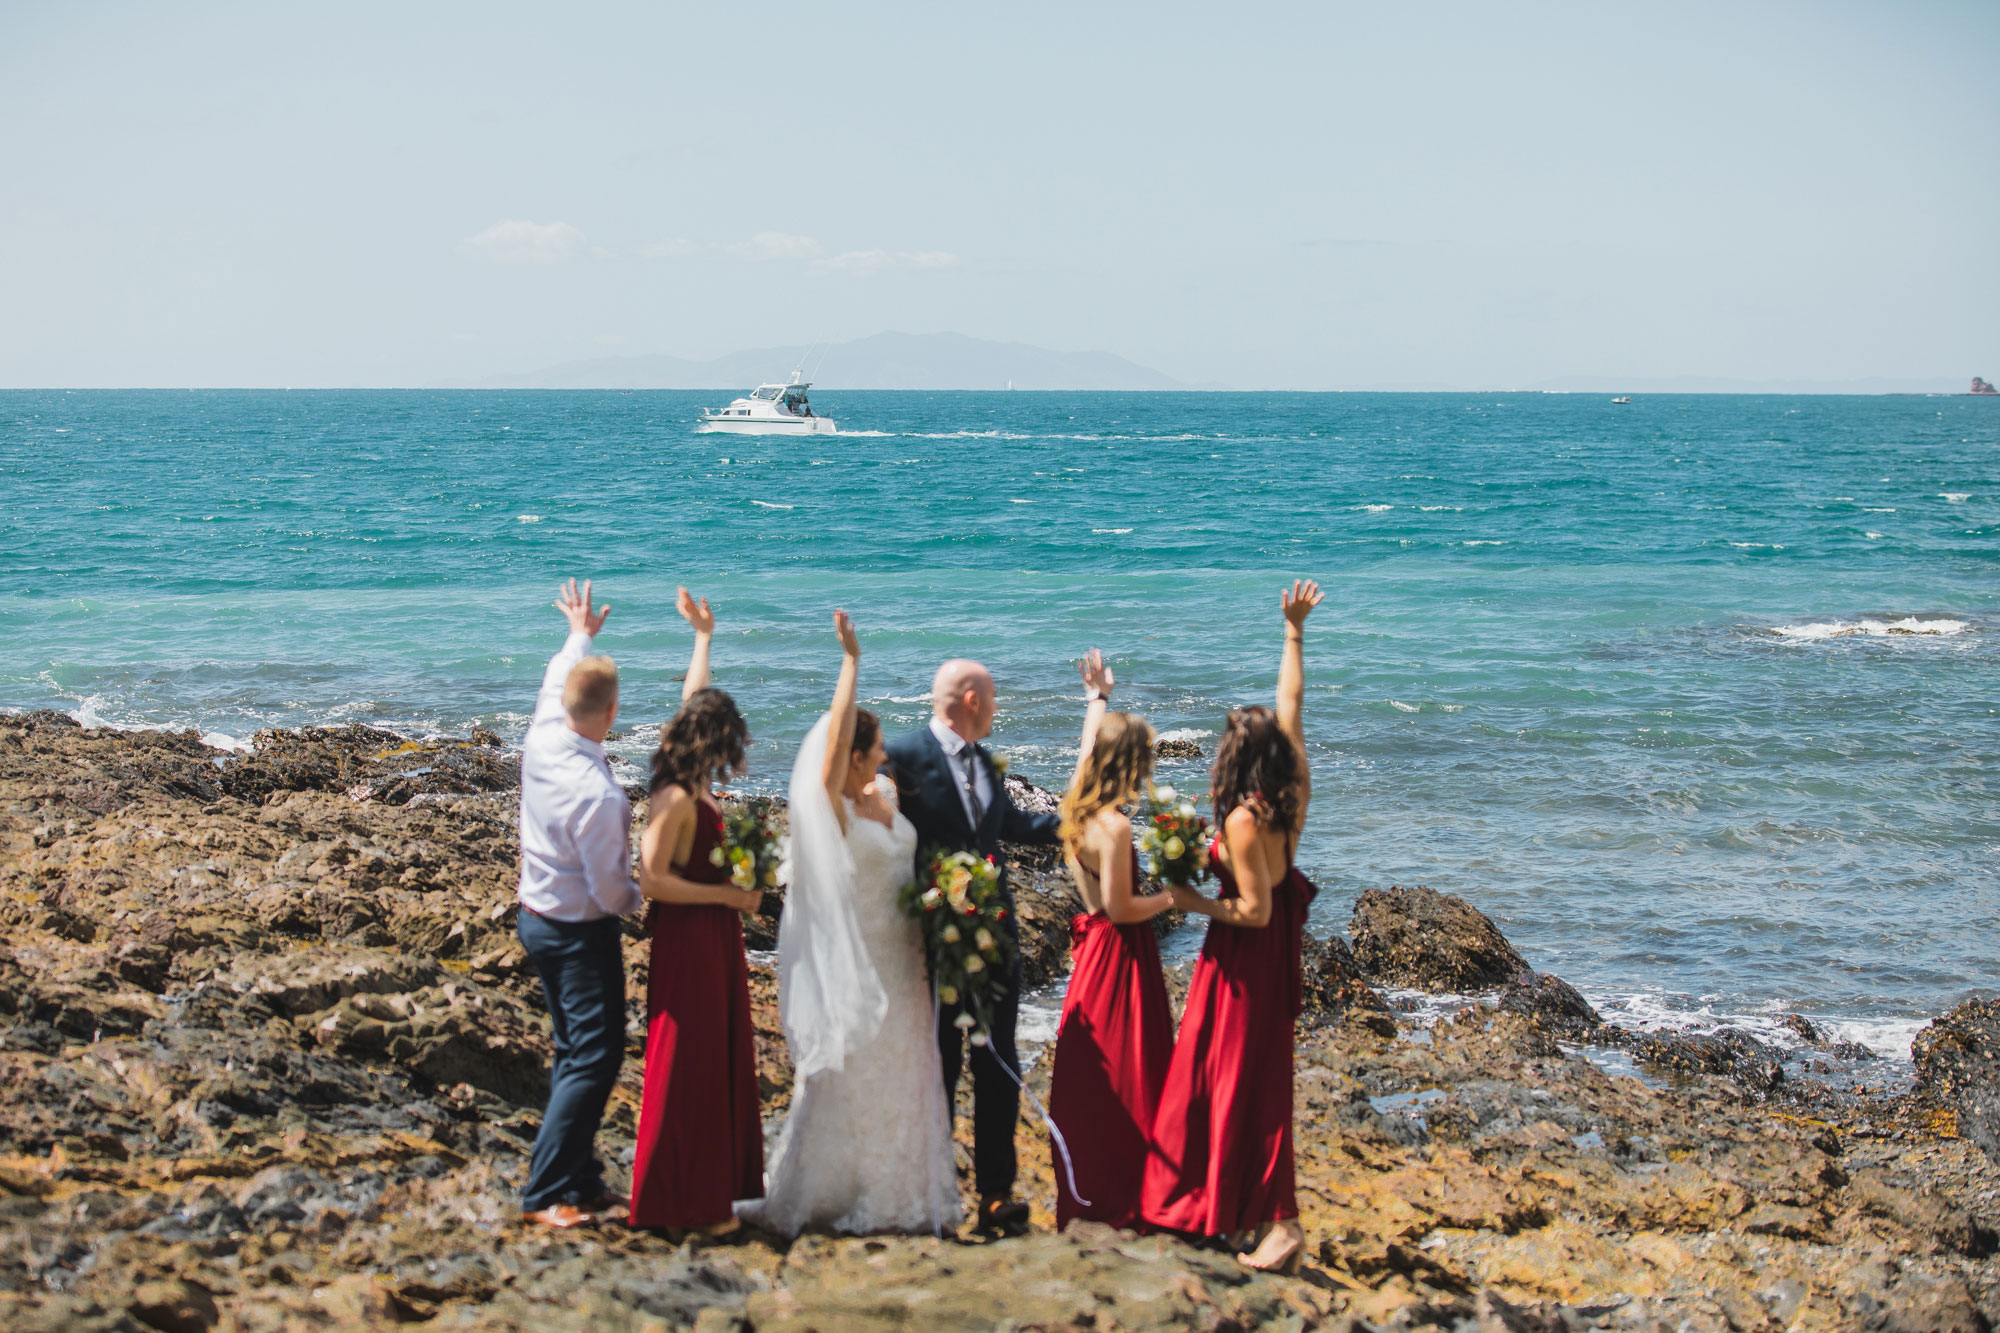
(1222,1139)
(1112,1049)
(700,1141)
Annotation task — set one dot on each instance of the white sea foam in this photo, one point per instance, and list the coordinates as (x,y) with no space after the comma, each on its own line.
(1869,629)
(923,698)
(527,518)
(222,740)
(1432,509)
(1483,543)
(1020,502)
(1111,531)
(1955,497)
(766,504)
(1866,510)
(1372,509)
(1402,707)
(1185,734)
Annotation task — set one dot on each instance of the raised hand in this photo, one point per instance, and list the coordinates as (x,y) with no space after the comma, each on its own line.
(695,611)
(1299,602)
(844,627)
(1097,677)
(575,607)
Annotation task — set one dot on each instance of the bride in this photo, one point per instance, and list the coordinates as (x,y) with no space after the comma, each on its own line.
(866,1146)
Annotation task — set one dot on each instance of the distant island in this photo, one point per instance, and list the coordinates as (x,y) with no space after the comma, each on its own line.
(1982,386)
(885,361)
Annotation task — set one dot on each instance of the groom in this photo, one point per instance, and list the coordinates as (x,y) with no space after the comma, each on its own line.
(949,788)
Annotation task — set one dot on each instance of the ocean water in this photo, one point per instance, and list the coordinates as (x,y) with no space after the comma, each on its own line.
(1699,697)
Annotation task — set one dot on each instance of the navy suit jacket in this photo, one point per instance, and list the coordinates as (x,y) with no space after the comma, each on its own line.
(927,787)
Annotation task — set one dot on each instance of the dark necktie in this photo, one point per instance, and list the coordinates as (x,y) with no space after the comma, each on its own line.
(970,757)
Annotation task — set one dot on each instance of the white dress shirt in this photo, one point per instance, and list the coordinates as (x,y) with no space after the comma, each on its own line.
(576,825)
(962,756)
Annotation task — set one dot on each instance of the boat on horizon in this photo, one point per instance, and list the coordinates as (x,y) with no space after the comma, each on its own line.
(769,409)
(1625,399)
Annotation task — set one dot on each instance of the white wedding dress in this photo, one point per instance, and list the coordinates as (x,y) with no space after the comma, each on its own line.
(866,1146)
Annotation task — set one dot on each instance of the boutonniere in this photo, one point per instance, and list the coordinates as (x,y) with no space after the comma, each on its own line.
(1000,764)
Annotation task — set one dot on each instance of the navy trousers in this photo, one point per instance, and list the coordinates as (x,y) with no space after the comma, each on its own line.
(583,981)
(996,1098)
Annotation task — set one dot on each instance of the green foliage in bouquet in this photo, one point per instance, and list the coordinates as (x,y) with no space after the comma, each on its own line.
(962,913)
(749,849)
(1173,839)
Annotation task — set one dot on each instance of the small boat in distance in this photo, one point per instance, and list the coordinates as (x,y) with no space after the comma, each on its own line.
(771,409)
(1621,400)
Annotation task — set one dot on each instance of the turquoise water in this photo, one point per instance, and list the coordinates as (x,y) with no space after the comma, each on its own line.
(1624,676)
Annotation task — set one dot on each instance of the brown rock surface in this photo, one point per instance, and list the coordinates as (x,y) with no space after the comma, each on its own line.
(1429,941)
(275,1059)
(1958,1069)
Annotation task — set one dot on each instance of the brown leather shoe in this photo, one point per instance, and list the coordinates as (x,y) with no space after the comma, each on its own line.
(561,1216)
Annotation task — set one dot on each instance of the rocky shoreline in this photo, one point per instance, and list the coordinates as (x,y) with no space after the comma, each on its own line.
(276,1059)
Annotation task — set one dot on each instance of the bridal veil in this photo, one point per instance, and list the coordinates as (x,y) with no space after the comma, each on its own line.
(829,996)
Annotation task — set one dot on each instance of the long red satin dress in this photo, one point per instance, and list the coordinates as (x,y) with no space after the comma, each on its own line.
(1112,1049)
(1222,1139)
(701,1142)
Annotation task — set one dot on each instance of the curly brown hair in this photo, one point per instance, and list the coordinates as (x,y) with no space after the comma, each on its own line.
(1256,764)
(1120,763)
(705,743)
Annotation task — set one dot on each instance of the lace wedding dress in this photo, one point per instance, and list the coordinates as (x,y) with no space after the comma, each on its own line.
(866,1146)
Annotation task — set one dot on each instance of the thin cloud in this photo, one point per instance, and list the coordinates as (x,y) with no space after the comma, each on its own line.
(673,247)
(767,245)
(782,247)
(514,241)
(877,261)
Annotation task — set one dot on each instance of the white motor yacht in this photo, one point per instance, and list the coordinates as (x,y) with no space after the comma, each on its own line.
(771,409)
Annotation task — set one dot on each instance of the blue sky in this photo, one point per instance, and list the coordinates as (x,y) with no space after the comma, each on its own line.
(1261,195)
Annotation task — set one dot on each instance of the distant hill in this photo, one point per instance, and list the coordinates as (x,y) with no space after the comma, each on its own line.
(885,361)
(1715,384)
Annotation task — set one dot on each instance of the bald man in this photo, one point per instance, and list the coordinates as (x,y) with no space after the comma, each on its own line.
(950,790)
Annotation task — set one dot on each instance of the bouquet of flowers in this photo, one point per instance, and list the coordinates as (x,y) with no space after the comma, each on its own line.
(749,849)
(971,951)
(1175,840)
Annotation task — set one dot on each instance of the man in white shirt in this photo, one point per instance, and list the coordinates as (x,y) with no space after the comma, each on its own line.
(576,881)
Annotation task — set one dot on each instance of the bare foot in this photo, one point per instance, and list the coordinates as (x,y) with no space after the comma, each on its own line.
(1282,1250)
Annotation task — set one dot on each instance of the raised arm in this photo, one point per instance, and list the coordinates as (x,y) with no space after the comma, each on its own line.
(1097,683)
(840,718)
(695,611)
(1298,604)
(583,626)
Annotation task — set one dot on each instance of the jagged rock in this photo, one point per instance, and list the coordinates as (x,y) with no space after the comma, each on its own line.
(1982,386)
(1958,1068)
(174,1306)
(366,764)
(1176,749)
(1429,941)
(1553,1003)
(1333,983)
(1731,1052)
(285,1052)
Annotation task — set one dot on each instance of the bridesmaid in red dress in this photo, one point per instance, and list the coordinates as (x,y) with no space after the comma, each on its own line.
(701,1141)
(1221,1163)
(1117,1030)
